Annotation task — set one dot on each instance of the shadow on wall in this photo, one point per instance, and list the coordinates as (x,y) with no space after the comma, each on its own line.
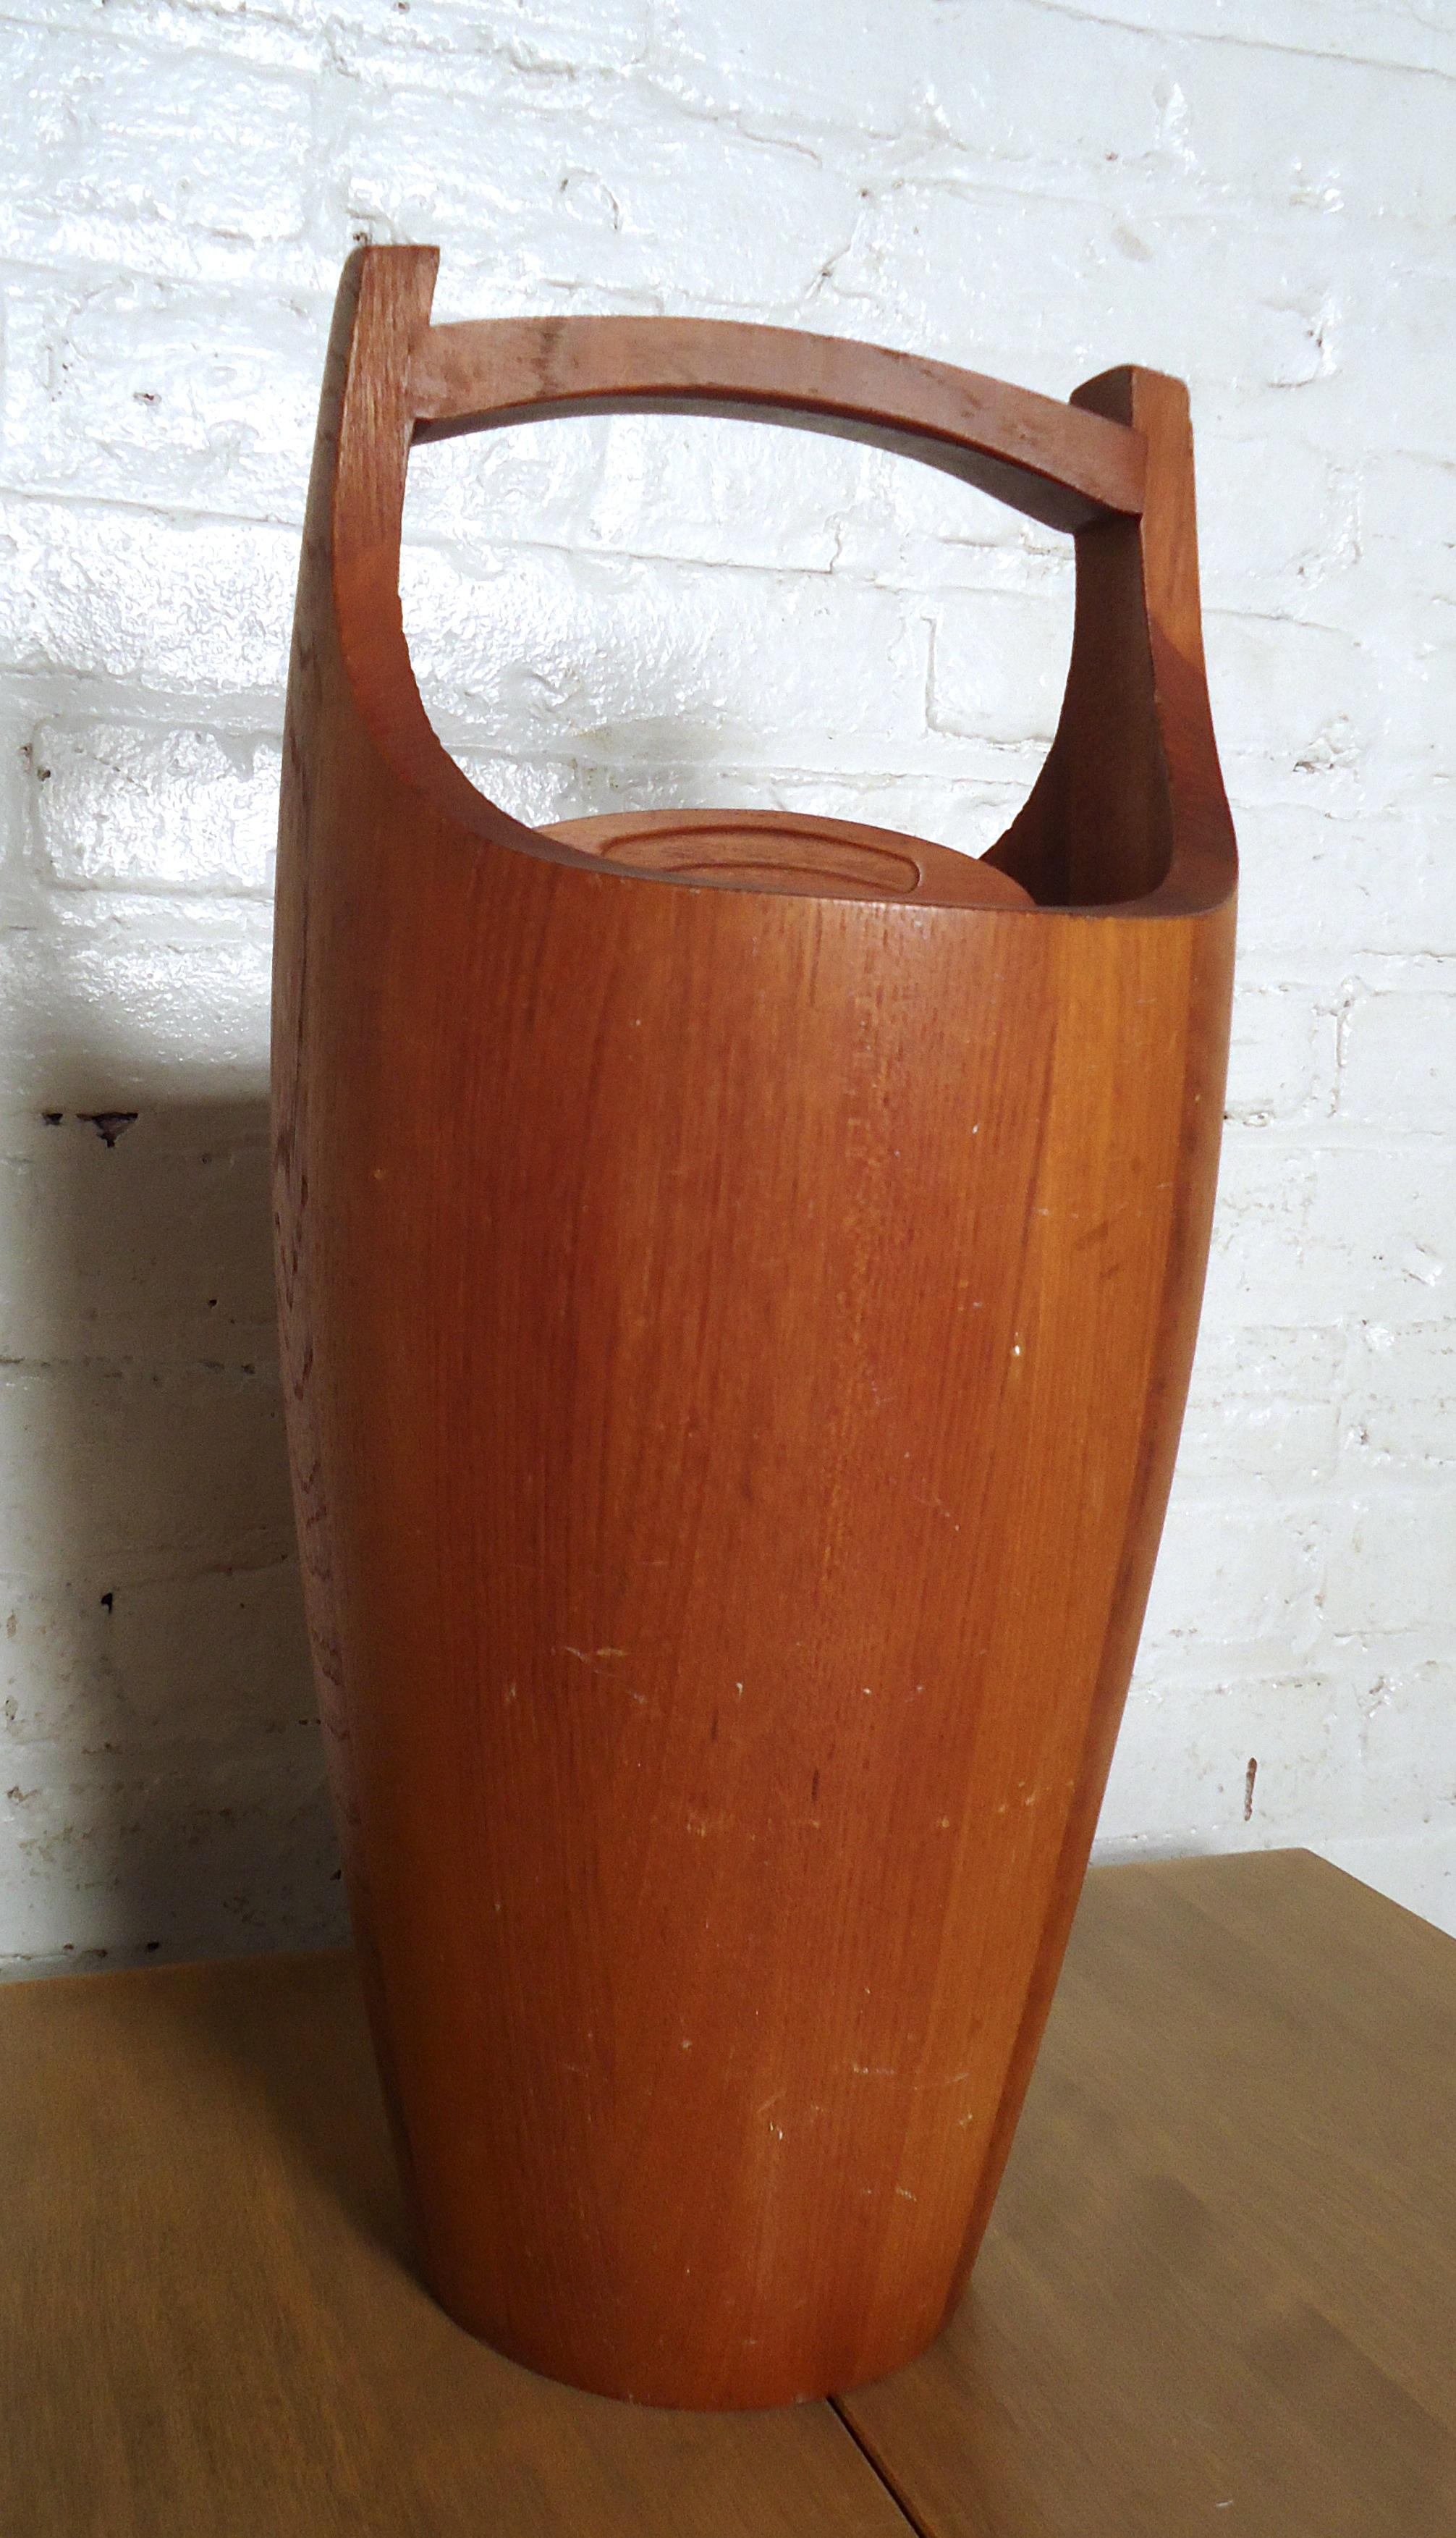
(166,1786)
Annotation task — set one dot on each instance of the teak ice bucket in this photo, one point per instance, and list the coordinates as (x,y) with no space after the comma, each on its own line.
(739,1276)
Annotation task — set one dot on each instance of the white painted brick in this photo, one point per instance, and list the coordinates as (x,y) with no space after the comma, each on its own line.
(1182,1763)
(1296,717)
(1281,1055)
(1381,1235)
(113,1019)
(564,192)
(1409,1745)
(17,805)
(721,493)
(725,493)
(197,608)
(1127,112)
(914,529)
(127,809)
(532,485)
(1263,1408)
(270,34)
(1318,884)
(162,1667)
(1291,128)
(1399,1060)
(121,1471)
(998,666)
(129,153)
(948,266)
(1408,522)
(133,391)
(695,490)
(1399,1397)
(217,1856)
(1393,1564)
(544,652)
(1266,1192)
(756,60)
(1391,299)
(937,269)
(153,1251)
(492,54)
(1404,32)
(1279,519)
(1311,1235)
(1233,1578)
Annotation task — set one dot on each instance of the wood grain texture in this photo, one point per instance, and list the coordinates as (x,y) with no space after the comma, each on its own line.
(1218,2290)
(210,2326)
(1058,464)
(735,1337)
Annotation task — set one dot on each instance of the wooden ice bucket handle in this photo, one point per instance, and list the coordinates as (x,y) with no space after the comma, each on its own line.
(738,1278)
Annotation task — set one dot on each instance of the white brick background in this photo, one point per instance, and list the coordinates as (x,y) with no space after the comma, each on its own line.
(1260,198)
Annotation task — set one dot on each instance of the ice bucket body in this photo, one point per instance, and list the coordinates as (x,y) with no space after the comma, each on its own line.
(738,1284)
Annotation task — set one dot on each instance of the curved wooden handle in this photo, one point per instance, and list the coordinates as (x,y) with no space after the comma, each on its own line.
(1057,463)
(1129,810)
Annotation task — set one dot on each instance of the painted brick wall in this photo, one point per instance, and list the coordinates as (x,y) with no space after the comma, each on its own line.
(1261,198)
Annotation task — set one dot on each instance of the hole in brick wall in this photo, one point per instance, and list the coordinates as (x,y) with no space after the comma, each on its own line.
(655,612)
(109,1125)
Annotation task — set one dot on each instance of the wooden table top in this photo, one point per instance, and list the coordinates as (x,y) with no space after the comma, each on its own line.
(1218,2294)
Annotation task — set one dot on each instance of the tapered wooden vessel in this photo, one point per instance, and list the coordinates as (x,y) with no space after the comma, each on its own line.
(739,1277)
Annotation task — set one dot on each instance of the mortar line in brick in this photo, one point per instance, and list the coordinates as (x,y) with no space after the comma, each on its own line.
(1225,37)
